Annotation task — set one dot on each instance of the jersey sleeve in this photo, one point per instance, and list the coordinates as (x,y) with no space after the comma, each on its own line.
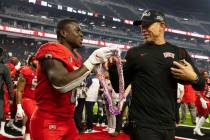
(55,51)
(11,69)
(24,71)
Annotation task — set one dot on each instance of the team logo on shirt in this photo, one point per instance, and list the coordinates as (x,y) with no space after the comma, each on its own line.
(143,54)
(168,55)
(52,126)
(75,68)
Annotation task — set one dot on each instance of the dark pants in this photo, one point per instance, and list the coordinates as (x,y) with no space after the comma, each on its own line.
(119,118)
(1,109)
(89,112)
(152,134)
(177,113)
(78,114)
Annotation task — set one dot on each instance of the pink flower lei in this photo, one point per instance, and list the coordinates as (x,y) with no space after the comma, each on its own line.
(113,108)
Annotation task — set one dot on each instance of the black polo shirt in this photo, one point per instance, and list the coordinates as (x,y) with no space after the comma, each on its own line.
(154,90)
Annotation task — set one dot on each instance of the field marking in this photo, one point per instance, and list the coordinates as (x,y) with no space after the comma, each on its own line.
(193,126)
(183,138)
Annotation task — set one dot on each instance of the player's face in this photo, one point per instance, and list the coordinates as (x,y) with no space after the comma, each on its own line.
(73,35)
(34,63)
(205,75)
(151,32)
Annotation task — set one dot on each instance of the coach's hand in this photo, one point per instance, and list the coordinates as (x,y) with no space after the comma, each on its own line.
(183,71)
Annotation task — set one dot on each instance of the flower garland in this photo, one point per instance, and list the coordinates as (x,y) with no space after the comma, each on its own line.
(114,106)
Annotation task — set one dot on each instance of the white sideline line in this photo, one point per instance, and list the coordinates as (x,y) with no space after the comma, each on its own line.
(184,138)
(193,126)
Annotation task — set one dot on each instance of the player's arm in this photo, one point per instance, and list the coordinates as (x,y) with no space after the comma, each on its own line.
(59,76)
(180,87)
(63,80)
(181,93)
(8,82)
(20,88)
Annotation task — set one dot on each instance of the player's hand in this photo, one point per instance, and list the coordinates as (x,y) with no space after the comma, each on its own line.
(203,103)
(10,102)
(20,112)
(183,71)
(179,100)
(99,56)
(102,55)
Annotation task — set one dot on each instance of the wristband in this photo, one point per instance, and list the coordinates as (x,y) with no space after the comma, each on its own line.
(19,106)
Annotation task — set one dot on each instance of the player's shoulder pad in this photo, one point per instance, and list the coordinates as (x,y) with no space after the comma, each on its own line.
(10,66)
(25,70)
(52,50)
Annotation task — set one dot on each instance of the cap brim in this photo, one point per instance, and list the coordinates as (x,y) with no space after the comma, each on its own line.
(137,22)
(140,22)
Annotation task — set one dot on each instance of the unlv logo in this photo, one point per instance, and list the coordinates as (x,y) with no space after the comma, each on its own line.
(168,54)
(146,13)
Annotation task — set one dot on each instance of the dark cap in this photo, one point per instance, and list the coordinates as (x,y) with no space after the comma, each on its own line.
(149,17)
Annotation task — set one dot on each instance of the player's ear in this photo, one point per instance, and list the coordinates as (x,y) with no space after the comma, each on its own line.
(163,25)
(63,34)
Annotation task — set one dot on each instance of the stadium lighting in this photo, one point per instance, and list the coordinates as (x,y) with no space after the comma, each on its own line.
(32,1)
(79,11)
(10,54)
(84,12)
(90,14)
(44,17)
(49,5)
(103,25)
(200,57)
(140,9)
(69,9)
(74,11)
(91,23)
(116,19)
(82,25)
(43,3)
(206,41)
(60,7)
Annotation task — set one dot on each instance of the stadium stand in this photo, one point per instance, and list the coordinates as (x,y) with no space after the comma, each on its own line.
(24,15)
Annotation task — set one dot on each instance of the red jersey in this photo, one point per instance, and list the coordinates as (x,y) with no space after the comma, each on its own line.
(204,94)
(189,94)
(31,81)
(12,69)
(53,104)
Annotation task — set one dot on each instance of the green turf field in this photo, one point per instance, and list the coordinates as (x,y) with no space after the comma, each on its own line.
(189,122)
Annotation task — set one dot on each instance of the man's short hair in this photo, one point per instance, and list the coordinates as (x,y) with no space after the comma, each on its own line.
(61,25)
